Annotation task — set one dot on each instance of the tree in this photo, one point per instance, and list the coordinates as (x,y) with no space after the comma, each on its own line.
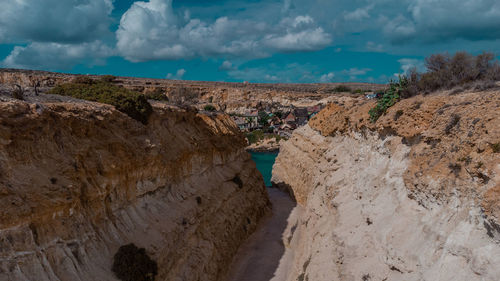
(263,118)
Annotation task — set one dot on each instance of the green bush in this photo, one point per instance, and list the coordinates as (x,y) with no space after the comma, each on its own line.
(255,136)
(390,97)
(209,107)
(495,147)
(131,103)
(157,94)
(446,72)
(342,89)
(131,263)
(108,78)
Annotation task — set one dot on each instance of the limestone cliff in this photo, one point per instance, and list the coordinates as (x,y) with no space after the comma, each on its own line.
(414,196)
(80,179)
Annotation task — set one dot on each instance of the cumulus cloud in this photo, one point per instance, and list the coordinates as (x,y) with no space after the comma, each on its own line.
(374,47)
(57,56)
(359,14)
(227,65)
(54,20)
(151,30)
(326,78)
(178,75)
(437,21)
(407,64)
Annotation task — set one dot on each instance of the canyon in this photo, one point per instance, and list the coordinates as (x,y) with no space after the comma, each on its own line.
(413,196)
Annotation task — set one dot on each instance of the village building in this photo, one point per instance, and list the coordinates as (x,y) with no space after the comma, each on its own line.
(301,116)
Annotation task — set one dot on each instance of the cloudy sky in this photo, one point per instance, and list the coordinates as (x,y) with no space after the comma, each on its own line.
(256,41)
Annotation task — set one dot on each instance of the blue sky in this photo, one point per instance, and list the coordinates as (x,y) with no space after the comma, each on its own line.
(258,41)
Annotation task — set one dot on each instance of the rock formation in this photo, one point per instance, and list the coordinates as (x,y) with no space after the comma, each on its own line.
(414,196)
(80,179)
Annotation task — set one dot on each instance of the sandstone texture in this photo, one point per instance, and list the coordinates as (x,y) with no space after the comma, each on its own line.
(414,196)
(80,179)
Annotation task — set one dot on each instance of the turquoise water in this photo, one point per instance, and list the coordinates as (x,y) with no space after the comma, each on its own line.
(265,162)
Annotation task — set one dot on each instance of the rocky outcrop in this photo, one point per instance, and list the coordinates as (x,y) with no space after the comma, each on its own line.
(414,196)
(79,179)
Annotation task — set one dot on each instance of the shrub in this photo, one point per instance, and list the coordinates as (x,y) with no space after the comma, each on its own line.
(255,136)
(445,72)
(157,94)
(342,89)
(108,78)
(131,103)
(390,97)
(209,107)
(18,92)
(131,263)
(398,114)
(83,79)
(455,118)
(495,147)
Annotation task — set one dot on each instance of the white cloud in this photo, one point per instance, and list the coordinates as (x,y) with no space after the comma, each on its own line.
(54,20)
(306,40)
(178,75)
(374,47)
(359,14)
(227,65)
(151,30)
(57,56)
(356,71)
(407,64)
(438,21)
(326,78)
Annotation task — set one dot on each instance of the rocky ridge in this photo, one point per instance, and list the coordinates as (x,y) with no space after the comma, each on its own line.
(413,196)
(228,97)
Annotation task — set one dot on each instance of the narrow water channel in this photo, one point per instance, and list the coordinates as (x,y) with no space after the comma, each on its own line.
(259,258)
(265,162)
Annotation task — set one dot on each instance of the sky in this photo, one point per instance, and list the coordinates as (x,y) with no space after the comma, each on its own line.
(287,41)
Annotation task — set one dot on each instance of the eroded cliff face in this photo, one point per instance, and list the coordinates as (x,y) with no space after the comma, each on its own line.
(79,179)
(412,197)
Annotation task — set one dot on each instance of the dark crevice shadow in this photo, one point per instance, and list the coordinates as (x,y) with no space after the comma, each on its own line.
(259,256)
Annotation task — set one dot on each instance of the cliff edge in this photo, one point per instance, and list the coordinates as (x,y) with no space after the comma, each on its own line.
(80,179)
(414,196)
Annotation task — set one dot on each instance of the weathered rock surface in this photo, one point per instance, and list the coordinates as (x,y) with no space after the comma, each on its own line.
(80,179)
(414,196)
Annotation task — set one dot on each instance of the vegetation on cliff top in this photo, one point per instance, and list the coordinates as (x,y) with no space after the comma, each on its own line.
(129,102)
(443,72)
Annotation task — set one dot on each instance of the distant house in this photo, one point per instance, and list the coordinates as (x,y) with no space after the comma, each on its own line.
(275,121)
(252,120)
(241,122)
(290,118)
(301,116)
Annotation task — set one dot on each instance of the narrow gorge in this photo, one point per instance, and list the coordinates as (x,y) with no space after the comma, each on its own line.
(413,196)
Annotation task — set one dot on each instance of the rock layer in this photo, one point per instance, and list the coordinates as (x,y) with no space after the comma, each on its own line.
(80,179)
(412,197)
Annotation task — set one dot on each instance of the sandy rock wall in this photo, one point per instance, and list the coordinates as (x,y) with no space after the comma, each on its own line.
(78,180)
(410,200)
